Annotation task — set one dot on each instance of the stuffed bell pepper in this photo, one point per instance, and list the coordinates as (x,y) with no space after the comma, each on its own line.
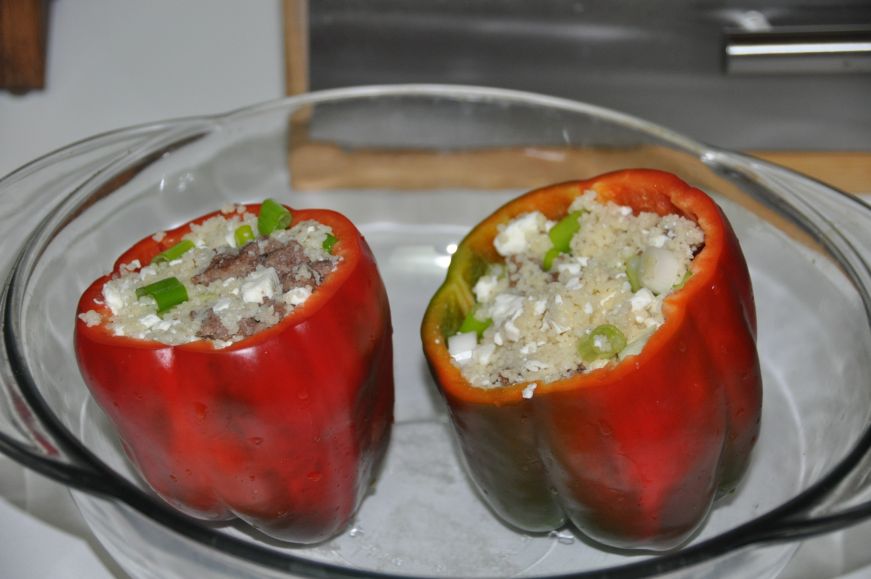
(595,343)
(245,359)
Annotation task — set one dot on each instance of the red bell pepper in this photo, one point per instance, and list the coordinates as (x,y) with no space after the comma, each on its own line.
(283,429)
(635,453)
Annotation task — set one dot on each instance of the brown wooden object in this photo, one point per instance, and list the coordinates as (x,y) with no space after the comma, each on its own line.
(296,46)
(22,44)
(848,171)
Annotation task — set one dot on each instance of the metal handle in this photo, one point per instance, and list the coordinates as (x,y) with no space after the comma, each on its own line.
(798,50)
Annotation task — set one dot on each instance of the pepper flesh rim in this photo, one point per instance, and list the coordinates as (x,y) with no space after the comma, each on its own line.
(347,248)
(554,201)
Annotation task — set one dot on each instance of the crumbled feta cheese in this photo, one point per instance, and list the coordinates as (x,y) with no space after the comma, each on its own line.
(559,329)
(658,240)
(260,285)
(297,295)
(461,346)
(484,288)
(91,318)
(132,266)
(569,267)
(535,365)
(641,299)
(147,272)
(149,320)
(512,332)
(504,306)
(514,238)
(164,325)
(484,352)
(113,298)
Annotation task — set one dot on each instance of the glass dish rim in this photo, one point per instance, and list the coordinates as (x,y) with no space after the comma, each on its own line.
(94,476)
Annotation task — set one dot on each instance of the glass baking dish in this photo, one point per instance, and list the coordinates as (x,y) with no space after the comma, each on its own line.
(414,167)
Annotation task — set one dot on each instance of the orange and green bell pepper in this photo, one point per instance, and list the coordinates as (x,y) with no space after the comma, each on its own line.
(283,429)
(635,453)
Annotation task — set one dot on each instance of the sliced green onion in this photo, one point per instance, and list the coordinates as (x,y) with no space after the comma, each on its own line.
(168,293)
(633,272)
(547,262)
(329,242)
(273,216)
(472,324)
(174,252)
(561,236)
(614,340)
(243,235)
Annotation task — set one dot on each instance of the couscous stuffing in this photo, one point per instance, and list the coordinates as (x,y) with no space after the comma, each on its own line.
(226,280)
(572,295)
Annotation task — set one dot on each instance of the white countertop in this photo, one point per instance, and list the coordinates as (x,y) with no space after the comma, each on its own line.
(113,64)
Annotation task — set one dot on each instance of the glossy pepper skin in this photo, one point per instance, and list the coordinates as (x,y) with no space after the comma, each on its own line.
(284,429)
(635,453)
